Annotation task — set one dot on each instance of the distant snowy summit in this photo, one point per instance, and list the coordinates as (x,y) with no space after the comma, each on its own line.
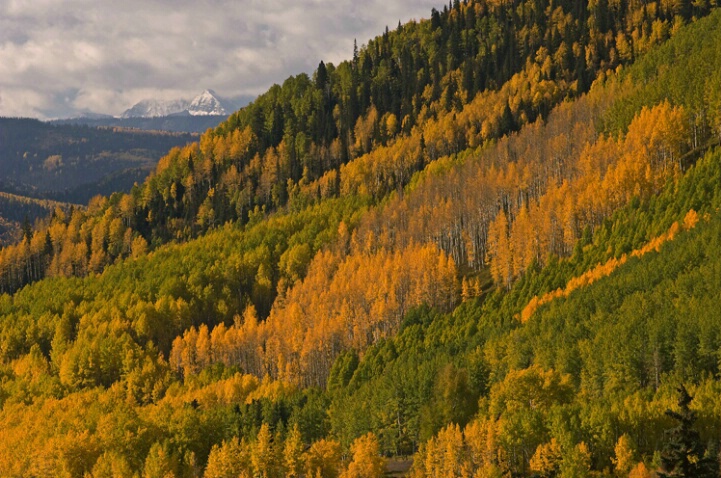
(204,111)
(155,108)
(205,104)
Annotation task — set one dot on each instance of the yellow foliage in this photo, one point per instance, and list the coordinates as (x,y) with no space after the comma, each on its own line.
(345,300)
(547,458)
(270,389)
(230,459)
(624,455)
(293,453)
(367,461)
(263,454)
(475,452)
(323,459)
(606,269)
(533,388)
(640,471)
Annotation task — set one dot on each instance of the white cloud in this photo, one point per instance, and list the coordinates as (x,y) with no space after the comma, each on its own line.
(61,56)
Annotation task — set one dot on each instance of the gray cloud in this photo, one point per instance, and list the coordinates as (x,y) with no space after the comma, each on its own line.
(59,57)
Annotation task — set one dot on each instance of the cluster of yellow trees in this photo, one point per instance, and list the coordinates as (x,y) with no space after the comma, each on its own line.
(532,195)
(476,451)
(609,173)
(270,457)
(509,435)
(99,434)
(526,207)
(442,132)
(348,299)
(73,242)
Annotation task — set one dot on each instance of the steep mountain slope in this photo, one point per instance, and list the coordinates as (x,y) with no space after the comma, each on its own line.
(333,325)
(426,90)
(596,366)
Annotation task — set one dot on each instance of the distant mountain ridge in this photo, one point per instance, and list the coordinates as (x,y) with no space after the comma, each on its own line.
(206,110)
(207,103)
(151,108)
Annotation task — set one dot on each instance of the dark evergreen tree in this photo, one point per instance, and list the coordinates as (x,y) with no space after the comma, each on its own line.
(684,455)
(321,77)
(508,123)
(27,228)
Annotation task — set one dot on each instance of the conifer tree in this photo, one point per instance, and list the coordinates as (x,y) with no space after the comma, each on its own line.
(684,455)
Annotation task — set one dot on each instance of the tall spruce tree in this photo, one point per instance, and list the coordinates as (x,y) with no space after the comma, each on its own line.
(683,454)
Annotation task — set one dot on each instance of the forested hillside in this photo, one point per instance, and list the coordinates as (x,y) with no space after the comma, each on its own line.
(490,241)
(424,91)
(74,163)
(18,214)
(174,123)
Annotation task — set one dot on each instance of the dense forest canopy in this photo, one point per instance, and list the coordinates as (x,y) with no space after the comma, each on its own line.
(489,241)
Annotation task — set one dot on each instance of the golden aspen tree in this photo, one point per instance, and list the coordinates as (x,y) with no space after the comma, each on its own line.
(269,175)
(139,247)
(112,465)
(499,250)
(547,458)
(623,459)
(640,471)
(485,455)
(160,462)
(467,291)
(450,442)
(367,461)
(293,453)
(522,242)
(427,460)
(263,454)
(203,349)
(189,357)
(323,459)
(218,350)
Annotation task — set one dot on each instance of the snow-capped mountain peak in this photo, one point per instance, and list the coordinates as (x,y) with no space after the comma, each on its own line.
(155,108)
(206,103)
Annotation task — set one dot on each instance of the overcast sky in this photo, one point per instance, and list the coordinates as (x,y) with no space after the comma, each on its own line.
(60,57)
